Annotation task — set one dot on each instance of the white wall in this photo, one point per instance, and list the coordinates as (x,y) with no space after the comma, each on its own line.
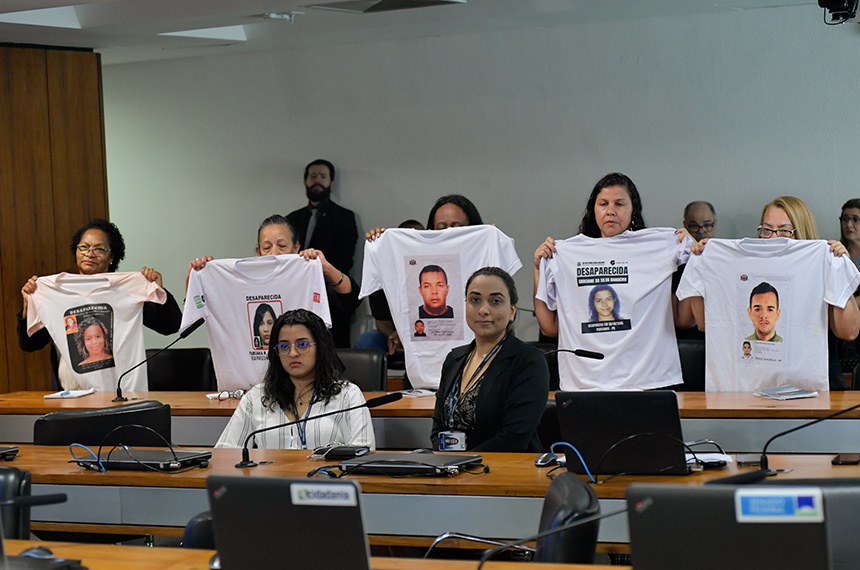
(735,108)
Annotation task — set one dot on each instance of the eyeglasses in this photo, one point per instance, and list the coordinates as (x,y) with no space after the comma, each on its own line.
(301,347)
(850,219)
(766,232)
(235,394)
(694,227)
(96,250)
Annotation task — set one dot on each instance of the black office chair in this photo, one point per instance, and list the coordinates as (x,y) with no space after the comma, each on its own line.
(89,427)
(15,521)
(692,353)
(551,362)
(199,532)
(568,499)
(548,429)
(365,367)
(181,369)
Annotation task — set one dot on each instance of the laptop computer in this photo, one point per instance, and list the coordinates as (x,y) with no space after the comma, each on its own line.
(594,422)
(401,464)
(8,452)
(311,524)
(724,526)
(146,459)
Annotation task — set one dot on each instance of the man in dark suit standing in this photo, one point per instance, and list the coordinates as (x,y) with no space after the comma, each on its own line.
(330,228)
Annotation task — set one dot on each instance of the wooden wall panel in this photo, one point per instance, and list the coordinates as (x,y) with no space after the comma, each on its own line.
(26,233)
(77,142)
(52,179)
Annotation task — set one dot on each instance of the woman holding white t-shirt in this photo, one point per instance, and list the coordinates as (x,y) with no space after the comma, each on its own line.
(98,247)
(790,217)
(614,208)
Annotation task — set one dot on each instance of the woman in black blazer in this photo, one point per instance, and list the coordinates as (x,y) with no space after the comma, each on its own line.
(493,390)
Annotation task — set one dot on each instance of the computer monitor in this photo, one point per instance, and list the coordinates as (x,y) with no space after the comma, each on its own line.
(725,526)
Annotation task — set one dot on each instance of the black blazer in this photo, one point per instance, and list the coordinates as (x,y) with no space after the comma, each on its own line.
(511,398)
(335,233)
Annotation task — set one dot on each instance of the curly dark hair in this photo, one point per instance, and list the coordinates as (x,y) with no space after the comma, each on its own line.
(328,382)
(115,241)
(589,226)
(86,323)
(461,202)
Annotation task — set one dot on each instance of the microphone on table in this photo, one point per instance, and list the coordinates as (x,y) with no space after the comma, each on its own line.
(582,353)
(371,403)
(489,553)
(35,500)
(184,334)
(763,462)
(764,470)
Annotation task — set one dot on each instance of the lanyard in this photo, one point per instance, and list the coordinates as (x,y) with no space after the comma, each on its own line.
(454,394)
(302,427)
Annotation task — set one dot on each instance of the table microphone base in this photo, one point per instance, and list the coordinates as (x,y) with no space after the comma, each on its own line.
(243,464)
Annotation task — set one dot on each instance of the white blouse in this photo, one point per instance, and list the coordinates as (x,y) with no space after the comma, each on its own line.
(349,428)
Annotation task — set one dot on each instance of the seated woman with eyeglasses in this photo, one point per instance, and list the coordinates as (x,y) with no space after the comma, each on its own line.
(304,378)
(98,247)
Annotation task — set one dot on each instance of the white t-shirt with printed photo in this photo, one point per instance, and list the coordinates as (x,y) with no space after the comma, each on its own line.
(96,323)
(240,299)
(613,296)
(806,278)
(423,274)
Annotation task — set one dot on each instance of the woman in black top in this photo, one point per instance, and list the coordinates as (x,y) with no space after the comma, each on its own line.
(495,388)
(98,247)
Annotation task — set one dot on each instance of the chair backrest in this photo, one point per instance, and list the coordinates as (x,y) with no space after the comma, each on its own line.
(692,353)
(551,362)
(199,532)
(548,430)
(181,369)
(14,483)
(365,367)
(89,427)
(568,498)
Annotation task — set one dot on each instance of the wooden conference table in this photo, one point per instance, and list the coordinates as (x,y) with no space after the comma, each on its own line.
(504,503)
(740,422)
(112,557)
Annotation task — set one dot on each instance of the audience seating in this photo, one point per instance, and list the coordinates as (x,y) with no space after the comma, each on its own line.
(199,532)
(89,427)
(367,368)
(692,353)
(568,499)
(181,369)
(15,521)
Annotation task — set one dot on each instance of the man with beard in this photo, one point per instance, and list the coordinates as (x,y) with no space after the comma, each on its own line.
(325,226)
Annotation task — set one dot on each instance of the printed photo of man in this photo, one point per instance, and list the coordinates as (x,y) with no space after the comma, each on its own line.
(433,286)
(764,312)
(747,350)
(419,329)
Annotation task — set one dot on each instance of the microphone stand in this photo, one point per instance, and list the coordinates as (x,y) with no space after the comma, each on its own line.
(184,334)
(763,462)
(371,403)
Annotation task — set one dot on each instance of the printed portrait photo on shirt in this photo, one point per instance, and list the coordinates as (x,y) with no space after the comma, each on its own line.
(763,300)
(71,324)
(91,339)
(261,317)
(437,296)
(604,311)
